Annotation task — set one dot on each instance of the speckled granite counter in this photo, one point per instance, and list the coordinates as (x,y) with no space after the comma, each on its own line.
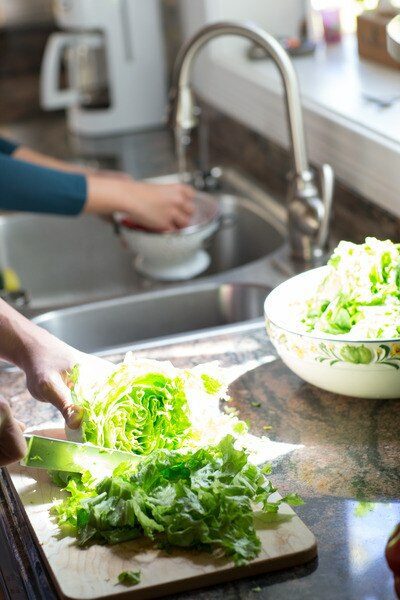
(347,450)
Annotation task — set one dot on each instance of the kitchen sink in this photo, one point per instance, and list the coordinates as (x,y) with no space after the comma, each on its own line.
(245,235)
(64,261)
(119,323)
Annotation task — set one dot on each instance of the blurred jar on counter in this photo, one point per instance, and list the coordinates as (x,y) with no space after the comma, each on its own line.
(333,18)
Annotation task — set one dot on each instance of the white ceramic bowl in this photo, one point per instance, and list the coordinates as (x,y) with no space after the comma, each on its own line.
(177,255)
(363,368)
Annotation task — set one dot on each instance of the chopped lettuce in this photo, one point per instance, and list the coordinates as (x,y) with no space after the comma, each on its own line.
(360,295)
(129,577)
(200,499)
(211,385)
(194,486)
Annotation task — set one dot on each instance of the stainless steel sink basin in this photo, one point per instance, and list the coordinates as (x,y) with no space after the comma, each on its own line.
(119,323)
(69,261)
(64,260)
(245,235)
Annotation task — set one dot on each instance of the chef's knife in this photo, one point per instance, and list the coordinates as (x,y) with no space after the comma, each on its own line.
(61,455)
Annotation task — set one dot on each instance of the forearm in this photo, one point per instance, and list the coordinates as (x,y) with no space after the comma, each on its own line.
(17,335)
(31,188)
(31,156)
(102,194)
(33,182)
(23,153)
(106,196)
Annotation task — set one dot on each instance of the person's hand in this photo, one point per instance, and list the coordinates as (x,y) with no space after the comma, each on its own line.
(48,363)
(160,207)
(12,442)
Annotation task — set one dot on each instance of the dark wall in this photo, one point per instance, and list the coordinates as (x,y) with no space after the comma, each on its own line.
(21,51)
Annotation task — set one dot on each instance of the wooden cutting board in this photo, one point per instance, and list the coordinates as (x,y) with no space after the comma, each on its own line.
(92,572)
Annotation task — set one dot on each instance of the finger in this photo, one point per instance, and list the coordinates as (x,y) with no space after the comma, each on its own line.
(166,227)
(74,416)
(188,208)
(167,224)
(187,191)
(12,442)
(66,377)
(57,393)
(180,220)
(183,203)
(5,412)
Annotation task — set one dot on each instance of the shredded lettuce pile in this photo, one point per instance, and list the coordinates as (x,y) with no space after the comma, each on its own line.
(360,294)
(199,499)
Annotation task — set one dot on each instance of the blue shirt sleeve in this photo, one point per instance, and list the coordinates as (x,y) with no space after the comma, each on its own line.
(7,146)
(32,188)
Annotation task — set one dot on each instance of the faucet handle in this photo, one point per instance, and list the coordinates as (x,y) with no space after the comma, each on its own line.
(327,178)
(309,214)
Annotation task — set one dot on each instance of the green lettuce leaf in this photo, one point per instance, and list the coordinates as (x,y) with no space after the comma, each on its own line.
(129,577)
(211,384)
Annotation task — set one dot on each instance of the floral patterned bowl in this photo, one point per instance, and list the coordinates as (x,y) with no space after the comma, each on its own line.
(368,368)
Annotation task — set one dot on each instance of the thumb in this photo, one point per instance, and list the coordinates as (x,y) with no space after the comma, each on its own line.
(59,395)
(12,442)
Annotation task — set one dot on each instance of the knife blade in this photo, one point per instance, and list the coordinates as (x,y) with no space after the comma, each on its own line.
(62,455)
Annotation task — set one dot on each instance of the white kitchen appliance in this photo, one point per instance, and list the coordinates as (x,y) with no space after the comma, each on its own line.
(113,56)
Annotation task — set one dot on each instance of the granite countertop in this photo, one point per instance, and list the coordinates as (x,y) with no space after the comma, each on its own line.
(347,450)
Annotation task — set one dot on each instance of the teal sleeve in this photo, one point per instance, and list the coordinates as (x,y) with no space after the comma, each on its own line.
(7,146)
(31,188)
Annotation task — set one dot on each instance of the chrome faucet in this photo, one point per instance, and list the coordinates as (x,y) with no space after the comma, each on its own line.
(308,208)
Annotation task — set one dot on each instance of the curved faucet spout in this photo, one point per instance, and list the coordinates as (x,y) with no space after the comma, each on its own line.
(304,201)
(189,51)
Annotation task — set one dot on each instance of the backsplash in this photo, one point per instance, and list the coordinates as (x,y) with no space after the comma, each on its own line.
(232,143)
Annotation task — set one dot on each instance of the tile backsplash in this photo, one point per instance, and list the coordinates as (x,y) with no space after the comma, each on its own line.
(353,217)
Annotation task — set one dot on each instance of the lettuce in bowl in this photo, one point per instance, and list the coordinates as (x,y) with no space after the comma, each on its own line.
(360,292)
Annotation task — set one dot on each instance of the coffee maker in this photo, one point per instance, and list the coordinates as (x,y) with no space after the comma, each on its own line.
(112,56)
